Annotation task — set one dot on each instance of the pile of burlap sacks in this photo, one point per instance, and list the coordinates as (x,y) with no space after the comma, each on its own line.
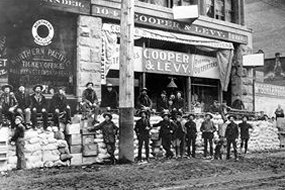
(41,149)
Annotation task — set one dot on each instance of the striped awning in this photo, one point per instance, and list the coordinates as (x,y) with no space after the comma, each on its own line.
(171,37)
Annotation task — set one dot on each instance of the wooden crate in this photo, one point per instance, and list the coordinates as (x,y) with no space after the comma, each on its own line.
(88,139)
(76,159)
(73,128)
(90,150)
(75,149)
(89,160)
(74,139)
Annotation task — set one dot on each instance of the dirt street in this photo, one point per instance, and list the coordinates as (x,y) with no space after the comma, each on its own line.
(255,171)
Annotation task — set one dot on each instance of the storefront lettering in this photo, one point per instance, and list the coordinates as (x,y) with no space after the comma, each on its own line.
(40,61)
(166,62)
(77,6)
(171,24)
(205,67)
(268,89)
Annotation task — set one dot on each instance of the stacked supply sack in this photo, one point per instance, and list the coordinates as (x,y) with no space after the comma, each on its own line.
(264,136)
(41,150)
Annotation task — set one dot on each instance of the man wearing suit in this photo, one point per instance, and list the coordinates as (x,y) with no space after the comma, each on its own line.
(39,105)
(23,109)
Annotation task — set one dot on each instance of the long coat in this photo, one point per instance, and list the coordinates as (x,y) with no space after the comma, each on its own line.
(58,101)
(232,131)
(38,104)
(109,131)
(110,99)
(162,104)
(144,100)
(8,100)
(167,128)
(140,128)
(89,96)
(191,129)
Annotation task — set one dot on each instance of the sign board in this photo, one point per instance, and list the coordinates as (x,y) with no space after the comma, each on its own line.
(185,13)
(253,60)
(205,67)
(274,71)
(173,25)
(269,90)
(75,6)
(166,62)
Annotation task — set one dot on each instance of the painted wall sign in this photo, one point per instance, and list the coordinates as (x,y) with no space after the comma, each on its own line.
(75,6)
(3,67)
(153,21)
(205,67)
(38,39)
(166,62)
(41,61)
(269,90)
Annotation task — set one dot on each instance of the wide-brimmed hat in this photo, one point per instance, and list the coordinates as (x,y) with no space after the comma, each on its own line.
(38,85)
(89,83)
(109,85)
(19,117)
(211,116)
(7,86)
(191,114)
(108,114)
(144,89)
(165,112)
(245,116)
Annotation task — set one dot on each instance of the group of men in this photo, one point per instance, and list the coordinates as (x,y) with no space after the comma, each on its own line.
(175,133)
(28,106)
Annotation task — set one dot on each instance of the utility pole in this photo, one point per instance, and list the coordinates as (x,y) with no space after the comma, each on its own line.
(126,93)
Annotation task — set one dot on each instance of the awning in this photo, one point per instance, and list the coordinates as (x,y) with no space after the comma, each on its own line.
(171,37)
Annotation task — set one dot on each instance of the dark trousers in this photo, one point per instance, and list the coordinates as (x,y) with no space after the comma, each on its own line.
(21,161)
(229,142)
(218,154)
(111,147)
(245,141)
(208,138)
(34,118)
(191,142)
(145,140)
(24,113)
(166,143)
(64,116)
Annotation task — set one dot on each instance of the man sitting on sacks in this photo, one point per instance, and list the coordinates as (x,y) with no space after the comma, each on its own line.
(144,102)
(89,102)
(23,109)
(39,105)
(61,111)
(109,131)
(8,105)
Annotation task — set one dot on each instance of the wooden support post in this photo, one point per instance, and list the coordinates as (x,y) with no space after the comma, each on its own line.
(126,93)
(189,94)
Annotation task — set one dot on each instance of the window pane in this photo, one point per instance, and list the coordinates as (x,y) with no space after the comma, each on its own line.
(210,8)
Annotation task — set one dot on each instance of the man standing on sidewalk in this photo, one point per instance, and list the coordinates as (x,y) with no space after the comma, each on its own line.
(244,133)
(231,136)
(208,128)
(191,135)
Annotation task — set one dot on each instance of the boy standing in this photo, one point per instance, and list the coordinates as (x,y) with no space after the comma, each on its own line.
(191,135)
(231,136)
(244,133)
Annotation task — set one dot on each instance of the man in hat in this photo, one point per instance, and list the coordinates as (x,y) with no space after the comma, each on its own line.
(8,104)
(90,102)
(18,138)
(109,131)
(110,98)
(179,102)
(191,135)
(208,128)
(162,102)
(60,108)
(238,104)
(142,129)
(39,105)
(167,128)
(144,102)
(244,133)
(231,136)
(179,136)
(23,109)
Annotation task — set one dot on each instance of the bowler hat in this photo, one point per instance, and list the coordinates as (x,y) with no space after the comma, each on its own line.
(7,86)
(38,85)
(165,112)
(89,83)
(108,114)
(191,115)
(109,85)
(144,89)
(232,116)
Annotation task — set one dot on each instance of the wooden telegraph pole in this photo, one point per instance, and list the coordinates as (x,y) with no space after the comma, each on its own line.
(126,93)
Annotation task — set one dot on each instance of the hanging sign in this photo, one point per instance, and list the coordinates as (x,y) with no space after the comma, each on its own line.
(205,67)
(42,40)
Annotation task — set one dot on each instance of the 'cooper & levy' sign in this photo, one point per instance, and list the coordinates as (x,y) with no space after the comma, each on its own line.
(166,62)
(172,25)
